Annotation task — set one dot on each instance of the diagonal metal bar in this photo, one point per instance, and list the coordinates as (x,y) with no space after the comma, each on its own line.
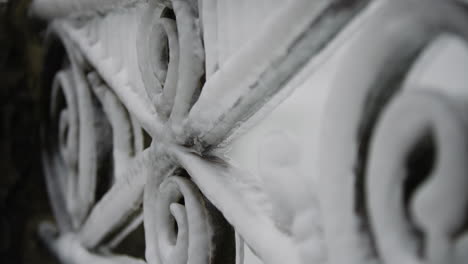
(134,224)
(68,249)
(244,84)
(124,198)
(243,203)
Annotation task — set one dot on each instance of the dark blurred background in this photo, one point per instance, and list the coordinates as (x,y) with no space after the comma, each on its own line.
(23,199)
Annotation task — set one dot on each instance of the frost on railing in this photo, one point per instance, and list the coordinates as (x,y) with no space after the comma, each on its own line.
(148,98)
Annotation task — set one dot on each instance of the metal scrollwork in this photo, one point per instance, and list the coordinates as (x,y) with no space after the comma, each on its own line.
(428,225)
(147,97)
(183,227)
(374,127)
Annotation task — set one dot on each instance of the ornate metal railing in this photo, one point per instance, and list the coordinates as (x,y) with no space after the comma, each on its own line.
(242,131)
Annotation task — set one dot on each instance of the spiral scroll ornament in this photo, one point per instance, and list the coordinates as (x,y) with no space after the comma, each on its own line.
(426,223)
(183,227)
(89,137)
(171,58)
(385,137)
(72,156)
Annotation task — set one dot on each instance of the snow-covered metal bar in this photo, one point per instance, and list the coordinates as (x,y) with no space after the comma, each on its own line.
(253,75)
(68,249)
(243,203)
(124,198)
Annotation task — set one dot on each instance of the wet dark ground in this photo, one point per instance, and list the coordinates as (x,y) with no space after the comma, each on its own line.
(23,199)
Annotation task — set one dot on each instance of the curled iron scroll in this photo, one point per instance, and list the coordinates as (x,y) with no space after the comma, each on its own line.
(171,57)
(357,156)
(183,227)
